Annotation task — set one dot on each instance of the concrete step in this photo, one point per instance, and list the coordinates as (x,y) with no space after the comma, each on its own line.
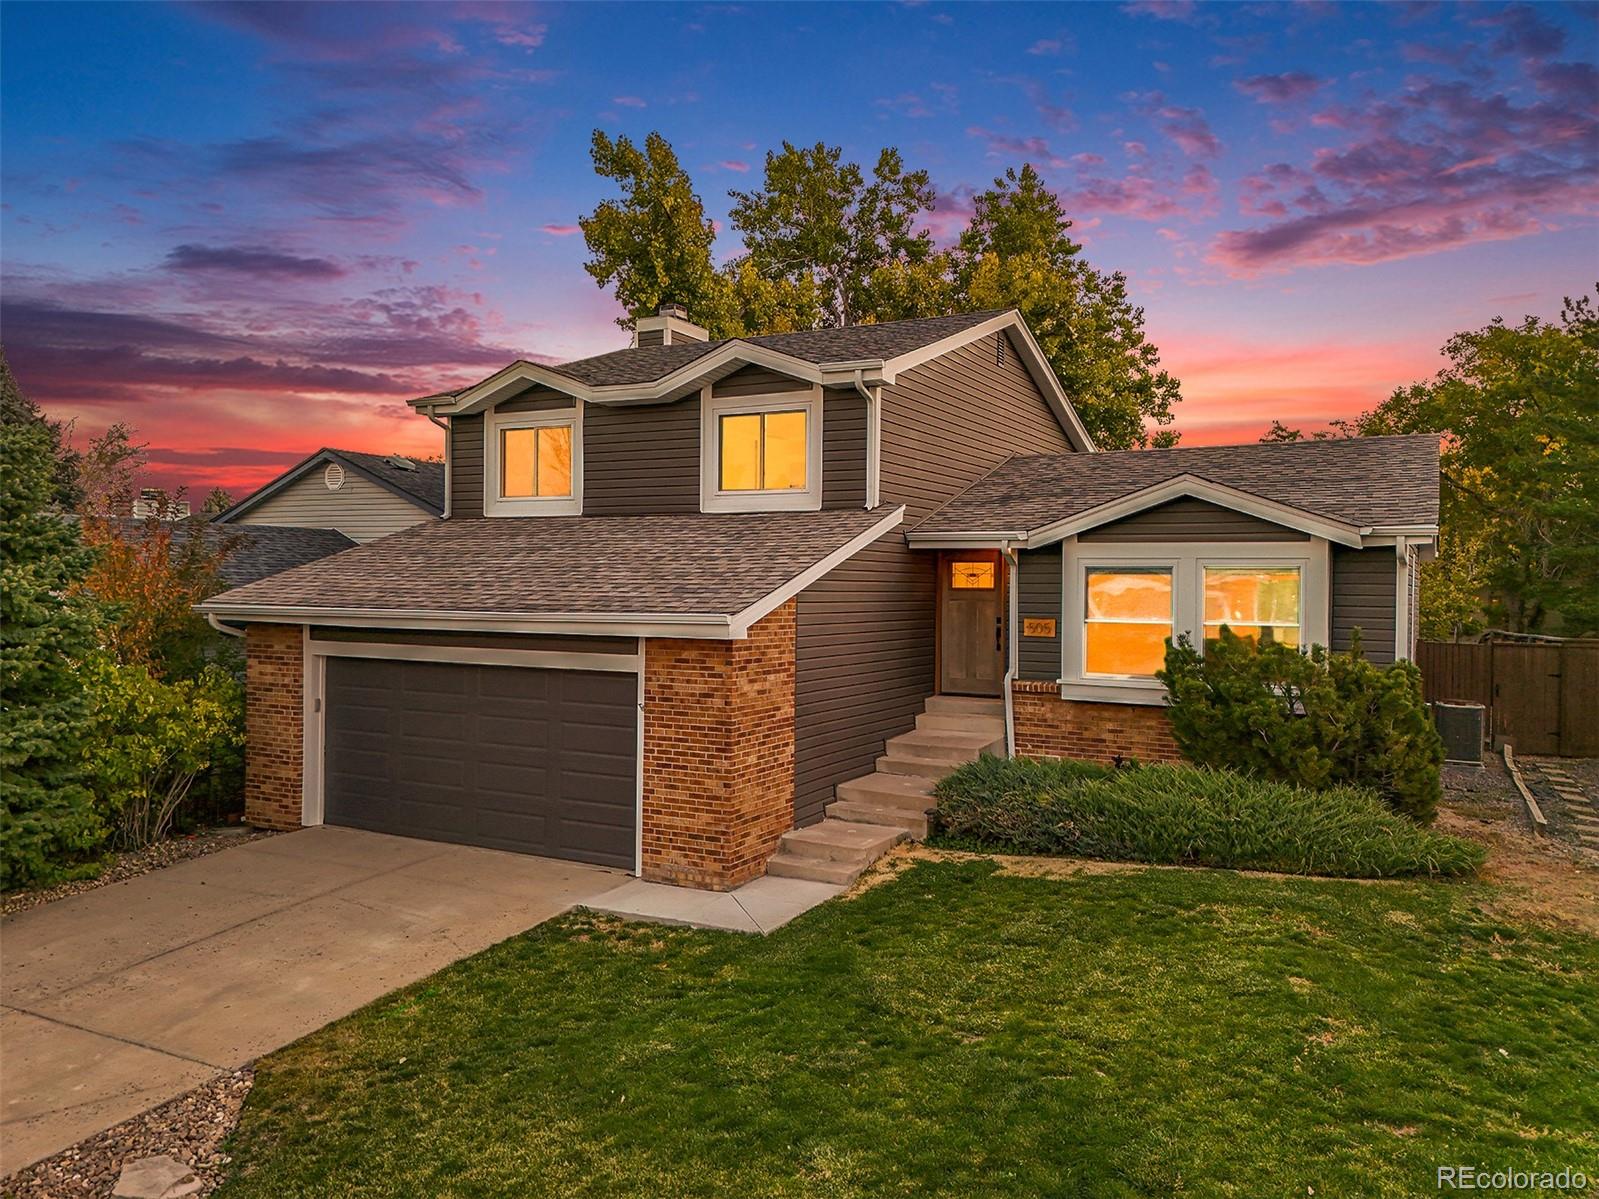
(928,768)
(909,820)
(840,841)
(911,792)
(944,746)
(960,722)
(817,870)
(965,705)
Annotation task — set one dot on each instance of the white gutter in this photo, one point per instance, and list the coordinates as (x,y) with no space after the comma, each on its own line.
(874,439)
(449,456)
(225,629)
(1013,647)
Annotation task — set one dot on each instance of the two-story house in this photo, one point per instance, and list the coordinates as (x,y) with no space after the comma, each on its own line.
(691,597)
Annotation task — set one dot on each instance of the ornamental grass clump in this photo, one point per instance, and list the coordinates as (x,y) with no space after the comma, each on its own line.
(1185,815)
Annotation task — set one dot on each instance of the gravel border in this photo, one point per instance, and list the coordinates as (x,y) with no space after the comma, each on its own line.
(190,1128)
(135,862)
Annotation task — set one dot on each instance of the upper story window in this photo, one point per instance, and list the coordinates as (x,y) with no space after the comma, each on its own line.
(533,463)
(761,453)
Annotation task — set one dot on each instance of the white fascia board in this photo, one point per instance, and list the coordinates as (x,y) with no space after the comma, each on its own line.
(711,626)
(1032,355)
(775,599)
(1201,489)
(520,375)
(988,539)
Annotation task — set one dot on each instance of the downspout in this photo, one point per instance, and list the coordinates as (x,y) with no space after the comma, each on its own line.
(1012,650)
(225,629)
(874,437)
(445,425)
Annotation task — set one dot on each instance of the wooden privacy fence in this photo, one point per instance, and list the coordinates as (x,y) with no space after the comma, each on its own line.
(1541,698)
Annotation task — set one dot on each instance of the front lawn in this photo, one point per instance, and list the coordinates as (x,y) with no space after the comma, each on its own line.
(962,1030)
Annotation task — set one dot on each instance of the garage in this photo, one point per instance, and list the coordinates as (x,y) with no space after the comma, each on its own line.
(539,761)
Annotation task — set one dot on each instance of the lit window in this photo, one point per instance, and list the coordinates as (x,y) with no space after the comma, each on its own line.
(763,451)
(1128,620)
(1259,603)
(536,463)
(971,576)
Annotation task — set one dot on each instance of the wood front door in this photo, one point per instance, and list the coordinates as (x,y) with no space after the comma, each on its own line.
(971,623)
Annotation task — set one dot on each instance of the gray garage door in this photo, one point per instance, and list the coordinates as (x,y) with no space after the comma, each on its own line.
(537,761)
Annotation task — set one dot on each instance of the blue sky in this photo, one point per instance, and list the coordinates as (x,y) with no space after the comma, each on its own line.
(253,229)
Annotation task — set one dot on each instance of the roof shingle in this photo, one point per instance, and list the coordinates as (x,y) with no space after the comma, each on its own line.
(601,565)
(1361,481)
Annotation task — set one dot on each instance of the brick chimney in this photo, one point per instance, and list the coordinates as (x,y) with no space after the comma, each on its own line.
(670,326)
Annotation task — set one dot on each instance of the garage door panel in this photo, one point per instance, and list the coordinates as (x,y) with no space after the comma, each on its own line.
(532,760)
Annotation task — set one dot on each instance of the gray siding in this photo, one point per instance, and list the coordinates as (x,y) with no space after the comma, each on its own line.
(948,422)
(466,466)
(361,510)
(536,399)
(1189,519)
(642,460)
(843,450)
(864,664)
(1039,594)
(754,381)
(1364,584)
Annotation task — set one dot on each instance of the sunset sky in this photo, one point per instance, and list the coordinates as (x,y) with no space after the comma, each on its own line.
(251,230)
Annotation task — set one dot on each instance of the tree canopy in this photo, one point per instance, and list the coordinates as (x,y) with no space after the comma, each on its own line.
(826,244)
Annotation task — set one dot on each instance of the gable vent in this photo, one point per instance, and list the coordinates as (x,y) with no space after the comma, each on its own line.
(333,476)
(999,349)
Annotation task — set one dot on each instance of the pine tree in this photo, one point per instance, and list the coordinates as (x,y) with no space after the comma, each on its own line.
(47,629)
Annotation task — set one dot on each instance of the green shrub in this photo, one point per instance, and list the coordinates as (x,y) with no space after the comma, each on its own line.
(1185,815)
(1318,719)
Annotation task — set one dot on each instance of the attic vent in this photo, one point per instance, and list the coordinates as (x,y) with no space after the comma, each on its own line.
(399,463)
(333,476)
(999,349)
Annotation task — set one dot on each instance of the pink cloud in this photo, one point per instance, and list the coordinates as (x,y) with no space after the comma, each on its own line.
(1184,11)
(734,164)
(629,101)
(1284,88)
(562,230)
(1047,47)
(1009,146)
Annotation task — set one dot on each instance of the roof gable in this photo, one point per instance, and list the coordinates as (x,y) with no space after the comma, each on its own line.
(422,487)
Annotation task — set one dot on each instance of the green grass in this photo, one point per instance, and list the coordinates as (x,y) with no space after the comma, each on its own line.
(1184,815)
(960,1031)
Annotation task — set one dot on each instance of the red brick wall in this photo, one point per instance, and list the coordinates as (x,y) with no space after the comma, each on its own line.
(273,716)
(1048,726)
(718,754)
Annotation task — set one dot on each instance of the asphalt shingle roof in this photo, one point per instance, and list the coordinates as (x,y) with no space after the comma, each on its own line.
(890,339)
(1361,481)
(604,565)
(425,483)
(250,552)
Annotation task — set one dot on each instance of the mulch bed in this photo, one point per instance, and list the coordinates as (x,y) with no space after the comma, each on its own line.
(123,866)
(190,1129)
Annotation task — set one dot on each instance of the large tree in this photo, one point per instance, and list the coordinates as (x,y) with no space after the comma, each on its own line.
(817,218)
(652,245)
(1017,252)
(46,630)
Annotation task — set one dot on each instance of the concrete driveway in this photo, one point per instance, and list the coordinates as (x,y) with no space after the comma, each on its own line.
(116,1000)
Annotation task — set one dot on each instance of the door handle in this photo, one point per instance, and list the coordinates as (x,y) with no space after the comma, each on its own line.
(999,634)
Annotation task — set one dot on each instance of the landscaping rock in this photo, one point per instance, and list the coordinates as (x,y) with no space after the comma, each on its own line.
(158,1177)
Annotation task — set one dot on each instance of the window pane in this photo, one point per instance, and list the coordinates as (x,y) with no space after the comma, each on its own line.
(555,460)
(516,463)
(1269,634)
(1251,595)
(1130,593)
(971,576)
(740,440)
(785,451)
(1131,649)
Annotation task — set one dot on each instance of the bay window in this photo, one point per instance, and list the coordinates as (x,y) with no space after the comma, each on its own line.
(1257,603)
(1127,620)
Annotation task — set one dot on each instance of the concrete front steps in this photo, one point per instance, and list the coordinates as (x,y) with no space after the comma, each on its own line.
(873,813)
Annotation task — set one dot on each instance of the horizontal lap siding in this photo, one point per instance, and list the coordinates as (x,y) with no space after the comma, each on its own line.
(756,381)
(843,450)
(1191,520)
(360,509)
(642,460)
(1039,595)
(948,422)
(1364,591)
(466,466)
(864,650)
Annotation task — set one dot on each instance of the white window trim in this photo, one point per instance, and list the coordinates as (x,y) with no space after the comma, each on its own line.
(713,408)
(1187,563)
(493,425)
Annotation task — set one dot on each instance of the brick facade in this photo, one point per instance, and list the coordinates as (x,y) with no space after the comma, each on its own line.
(1048,726)
(273,761)
(718,754)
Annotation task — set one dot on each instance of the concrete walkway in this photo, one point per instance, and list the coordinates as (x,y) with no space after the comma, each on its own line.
(116,1000)
(759,906)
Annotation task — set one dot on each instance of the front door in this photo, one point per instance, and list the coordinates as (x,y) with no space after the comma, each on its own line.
(971,592)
